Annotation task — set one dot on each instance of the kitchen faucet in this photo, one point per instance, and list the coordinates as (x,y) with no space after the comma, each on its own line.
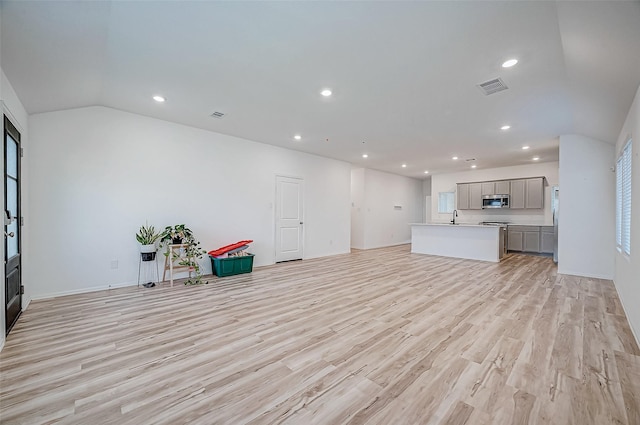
(455,214)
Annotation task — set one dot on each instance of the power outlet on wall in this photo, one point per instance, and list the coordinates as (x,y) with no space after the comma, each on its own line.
(114,264)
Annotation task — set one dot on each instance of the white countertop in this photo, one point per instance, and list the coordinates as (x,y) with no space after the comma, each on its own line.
(454,225)
(478,225)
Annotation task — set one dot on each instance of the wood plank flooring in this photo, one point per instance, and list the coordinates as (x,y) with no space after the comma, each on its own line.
(373,337)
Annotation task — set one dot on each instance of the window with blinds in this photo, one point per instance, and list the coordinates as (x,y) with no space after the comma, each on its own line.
(623,200)
(446,201)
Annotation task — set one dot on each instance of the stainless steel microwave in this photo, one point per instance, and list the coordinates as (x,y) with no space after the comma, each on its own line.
(495,201)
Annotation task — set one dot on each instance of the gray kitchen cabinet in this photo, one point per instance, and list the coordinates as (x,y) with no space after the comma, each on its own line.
(546,239)
(475,196)
(538,239)
(517,198)
(488,188)
(531,240)
(527,193)
(463,196)
(502,188)
(524,193)
(514,240)
(534,193)
(496,188)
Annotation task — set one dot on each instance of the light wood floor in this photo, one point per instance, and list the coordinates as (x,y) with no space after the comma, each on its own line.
(376,337)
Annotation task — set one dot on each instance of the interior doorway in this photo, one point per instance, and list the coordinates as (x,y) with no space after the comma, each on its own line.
(289,215)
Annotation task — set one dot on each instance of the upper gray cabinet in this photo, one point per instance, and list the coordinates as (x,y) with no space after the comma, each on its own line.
(488,188)
(463,196)
(475,196)
(496,188)
(516,200)
(524,193)
(469,196)
(535,193)
(502,188)
(527,193)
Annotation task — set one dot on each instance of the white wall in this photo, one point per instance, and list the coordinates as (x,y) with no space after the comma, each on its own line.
(586,230)
(426,195)
(447,183)
(99,173)
(627,268)
(375,209)
(357,208)
(13,109)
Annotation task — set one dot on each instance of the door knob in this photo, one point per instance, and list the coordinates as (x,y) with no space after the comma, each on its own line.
(9,235)
(301,222)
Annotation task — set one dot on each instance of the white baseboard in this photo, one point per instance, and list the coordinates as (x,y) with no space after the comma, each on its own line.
(82,290)
(388,245)
(325,255)
(583,274)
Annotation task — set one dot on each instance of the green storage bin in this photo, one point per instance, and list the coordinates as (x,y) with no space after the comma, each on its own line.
(232,265)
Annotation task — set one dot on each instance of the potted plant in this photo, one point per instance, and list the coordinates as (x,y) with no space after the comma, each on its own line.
(189,255)
(176,235)
(147,238)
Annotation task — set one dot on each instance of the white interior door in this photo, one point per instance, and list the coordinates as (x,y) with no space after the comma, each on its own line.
(289,218)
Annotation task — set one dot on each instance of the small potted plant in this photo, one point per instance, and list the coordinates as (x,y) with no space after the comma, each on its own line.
(189,256)
(147,238)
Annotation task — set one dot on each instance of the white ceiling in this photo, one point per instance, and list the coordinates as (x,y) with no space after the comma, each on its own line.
(403,74)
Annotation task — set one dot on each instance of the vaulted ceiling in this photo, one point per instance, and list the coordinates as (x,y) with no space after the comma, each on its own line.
(404,75)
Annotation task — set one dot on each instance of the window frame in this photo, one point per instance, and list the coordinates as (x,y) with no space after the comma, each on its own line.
(446,206)
(623,198)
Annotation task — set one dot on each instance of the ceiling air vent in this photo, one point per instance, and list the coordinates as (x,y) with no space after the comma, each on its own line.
(492,86)
(218,115)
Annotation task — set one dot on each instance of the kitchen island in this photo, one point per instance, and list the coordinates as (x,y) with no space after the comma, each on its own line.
(470,241)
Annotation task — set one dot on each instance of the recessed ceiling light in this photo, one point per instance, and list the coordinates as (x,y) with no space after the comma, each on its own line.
(509,63)
(364,155)
(326,92)
(536,158)
(159,99)
(474,166)
(454,158)
(426,172)
(404,165)
(297,137)
(525,148)
(505,127)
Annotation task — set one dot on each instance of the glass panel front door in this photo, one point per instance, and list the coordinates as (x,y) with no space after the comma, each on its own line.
(12,261)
